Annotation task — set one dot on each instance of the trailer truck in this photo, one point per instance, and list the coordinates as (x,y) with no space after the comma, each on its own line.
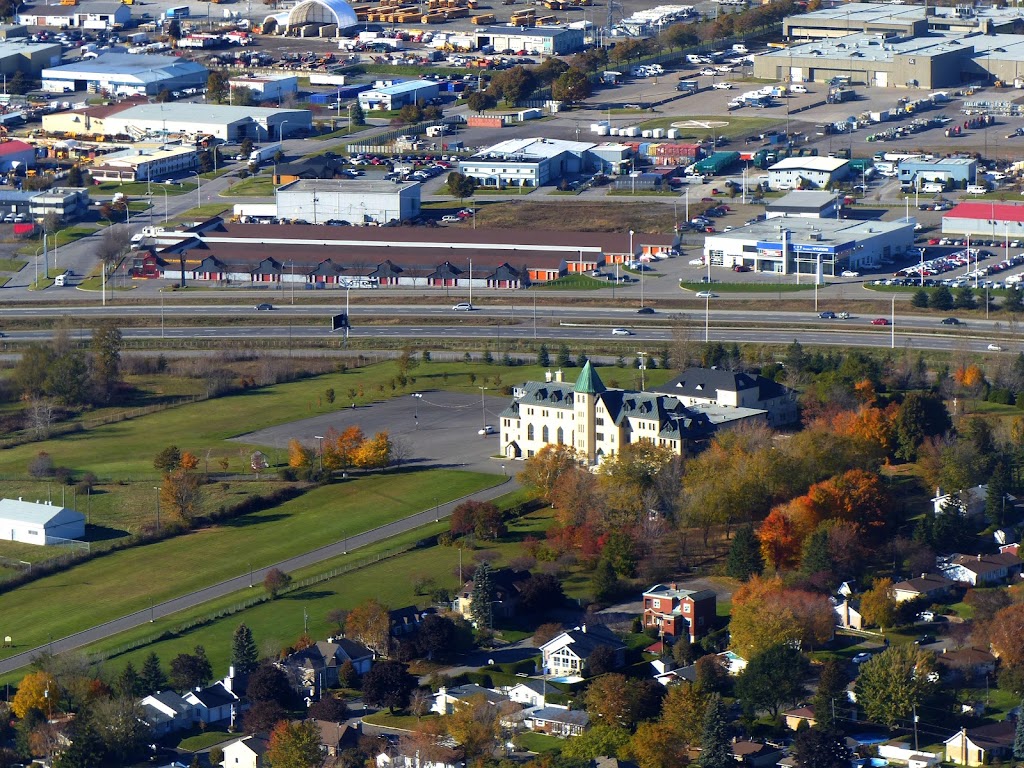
(263,154)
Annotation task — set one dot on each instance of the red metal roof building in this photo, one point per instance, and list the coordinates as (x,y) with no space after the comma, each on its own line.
(989,220)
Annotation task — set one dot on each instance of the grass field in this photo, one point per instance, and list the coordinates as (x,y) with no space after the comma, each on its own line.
(85,595)
(747,287)
(64,236)
(738,127)
(255,186)
(203,740)
(587,216)
(540,743)
(574,283)
(11,265)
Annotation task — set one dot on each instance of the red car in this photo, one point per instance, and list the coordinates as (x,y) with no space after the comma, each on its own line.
(880,321)
(933,241)
(741,268)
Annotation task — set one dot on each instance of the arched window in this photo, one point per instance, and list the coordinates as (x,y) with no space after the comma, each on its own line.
(560,435)
(529,431)
(544,434)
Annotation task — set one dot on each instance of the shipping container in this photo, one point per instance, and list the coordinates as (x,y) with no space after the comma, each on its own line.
(717,163)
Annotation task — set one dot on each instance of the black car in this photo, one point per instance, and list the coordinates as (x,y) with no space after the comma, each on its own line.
(925,640)
(263,307)
(827,315)
(950,321)
(645,311)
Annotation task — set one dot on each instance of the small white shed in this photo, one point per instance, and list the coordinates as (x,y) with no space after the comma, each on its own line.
(38,522)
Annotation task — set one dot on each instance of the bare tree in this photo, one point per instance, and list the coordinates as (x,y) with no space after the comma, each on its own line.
(39,417)
(401,451)
(113,243)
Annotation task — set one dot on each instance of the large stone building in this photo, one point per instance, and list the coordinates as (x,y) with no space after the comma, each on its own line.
(598,422)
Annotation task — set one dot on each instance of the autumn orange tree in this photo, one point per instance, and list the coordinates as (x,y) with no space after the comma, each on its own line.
(347,444)
(1005,632)
(32,693)
(765,613)
(780,539)
(294,745)
(374,453)
(856,496)
(299,455)
(181,495)
(542,470)
(370,623)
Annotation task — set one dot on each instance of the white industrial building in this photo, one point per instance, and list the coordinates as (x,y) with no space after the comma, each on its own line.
(95,15)
(527,162)
(125,74)
(330,16)
(222,122)
(535,41)
(19,55)
(808,246)
(267,87)
(387,95)
(356,201)
(39,523)
(807,172)
(146,164)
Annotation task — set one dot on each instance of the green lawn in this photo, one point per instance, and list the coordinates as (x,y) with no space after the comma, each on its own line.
(201,213)
(539,743)
(746,287)
(261,185)
(104,588)
(203,740)
(736,126)
(574,283)
(405,722)
(11,265)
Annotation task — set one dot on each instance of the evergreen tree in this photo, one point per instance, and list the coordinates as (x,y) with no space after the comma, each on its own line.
(1014,300)
(605,582)
(129,684)
(244,656)
(941,298)
(564,357)
(716,746)
(816,557)
(995,498)
(920,298)
(581,361)
(358,115)
(1018,736)
(153,677)
(481,607)
(488,357)
(744,555)
(75,178)
(964,298)
(830,693)
(543,357)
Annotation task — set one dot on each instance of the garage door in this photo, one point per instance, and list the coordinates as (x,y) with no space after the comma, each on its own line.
(796,74)
(882,79)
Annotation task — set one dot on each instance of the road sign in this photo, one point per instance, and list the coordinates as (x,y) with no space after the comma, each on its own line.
(339,322)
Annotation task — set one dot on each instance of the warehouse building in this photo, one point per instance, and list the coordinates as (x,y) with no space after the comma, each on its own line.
(95,15)
(902,20)
(16,155)
(125,74)
(535,41)
(390,96)
(221,122)
(87,121)
(28,58)
(959,170)
(528,162)
(267,87)
(989,220)
(868,59)
(418,257)
(357,201)
(331,16)
(807,172)
(804,204)
(69,203)
(147,164)
(799,245)
(39,523)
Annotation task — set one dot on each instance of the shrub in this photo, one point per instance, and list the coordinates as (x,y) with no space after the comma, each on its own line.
(41,465)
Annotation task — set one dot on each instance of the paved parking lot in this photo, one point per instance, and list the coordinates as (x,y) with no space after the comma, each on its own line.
(438,429)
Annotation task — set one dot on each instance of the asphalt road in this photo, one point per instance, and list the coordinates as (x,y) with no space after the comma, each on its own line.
(247,580)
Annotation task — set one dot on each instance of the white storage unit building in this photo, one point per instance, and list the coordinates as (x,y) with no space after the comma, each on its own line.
(799,245)
(267,87)
(125,74)
(397,95)
(356,201)
(807,172)
(535,41)
(222,122)
(38,522)
(528,162)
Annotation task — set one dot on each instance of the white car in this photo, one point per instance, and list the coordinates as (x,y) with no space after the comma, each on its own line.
(933,187)
(621,332)
(706,295)
(488,429)
(450,219)
(708,72)
(849,273)
(723,86)
(860,658)
(696,262)
(994,348)
(463,306)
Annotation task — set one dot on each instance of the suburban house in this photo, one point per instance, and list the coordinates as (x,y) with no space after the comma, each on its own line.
(447,699)
(529,693)
(928,586)
(983,570)
(566,655)
(848,615)
(507,584)
(733,662)
(405,621)
(246,752)
(667,673)
(556,720)
(799,715)
(213,704)
(314,668)
(732,389)
(982,745)
(969,502)
(754,754)
(333,737)
(677,611)
(967,662)
(393,758)
(166,712)
(39,523)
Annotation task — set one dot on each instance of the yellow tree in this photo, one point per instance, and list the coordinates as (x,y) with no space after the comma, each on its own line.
(182,494)
(657,745)
(189,461)
(878,604)
(542,470)
(347,444)
(374,453)
(32,693)
(476,725)
(370,623)
(299,455)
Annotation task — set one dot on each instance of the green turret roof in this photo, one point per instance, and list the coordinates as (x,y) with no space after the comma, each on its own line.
(589,383)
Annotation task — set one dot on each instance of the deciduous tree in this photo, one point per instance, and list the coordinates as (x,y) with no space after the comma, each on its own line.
(892,683)
(476,725)
(1005,632)
(819,748)
(388,684)
(33,693)
(189,670)
(370,624)
(773,678)
(181,495)
(294,745)
(275,581)
(878,604)
(766,613)
(780,539)
(374,453)
(299,455)
(268,683)
(542,470)
(598,741)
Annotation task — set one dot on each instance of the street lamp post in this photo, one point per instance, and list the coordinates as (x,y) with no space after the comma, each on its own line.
(157,489)
(280,130)
(483,408)
(416,408)
(320,450)
(892,322)
(199,187)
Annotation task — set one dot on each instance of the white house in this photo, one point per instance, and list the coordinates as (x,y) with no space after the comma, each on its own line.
(166,711)
(970,502)
(983,570)
(567,654)
(396,760)
(556,720)
(213,704)
(447,699)
(530,693)
(246,752)
(39,523)
(807,172)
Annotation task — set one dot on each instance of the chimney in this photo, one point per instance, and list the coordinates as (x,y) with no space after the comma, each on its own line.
(547,375)
(558,375)
(979,557)
(673,585)
(228,682)
(583,628)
